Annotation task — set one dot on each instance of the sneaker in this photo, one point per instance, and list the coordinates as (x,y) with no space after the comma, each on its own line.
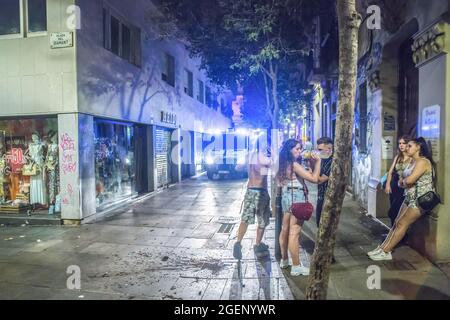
(381,255)
(237,251)
(261,250)
(284,264)
(374,252)
(299,270)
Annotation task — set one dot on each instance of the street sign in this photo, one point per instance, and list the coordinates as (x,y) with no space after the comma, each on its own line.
(61,40)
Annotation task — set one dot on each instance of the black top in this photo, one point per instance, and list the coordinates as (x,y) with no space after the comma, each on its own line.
(325,169)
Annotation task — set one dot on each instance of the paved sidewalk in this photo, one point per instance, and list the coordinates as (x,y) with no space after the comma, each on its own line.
(178,244)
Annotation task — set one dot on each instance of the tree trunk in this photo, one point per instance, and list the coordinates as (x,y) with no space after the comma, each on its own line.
(276,105)
(349,21)
(269,109)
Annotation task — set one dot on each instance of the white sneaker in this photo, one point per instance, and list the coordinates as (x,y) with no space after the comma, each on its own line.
(374,252)
(299,270)
(380,256)
(284,264)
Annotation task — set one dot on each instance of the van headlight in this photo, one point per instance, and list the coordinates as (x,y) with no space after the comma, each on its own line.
(209,160)
(241,160)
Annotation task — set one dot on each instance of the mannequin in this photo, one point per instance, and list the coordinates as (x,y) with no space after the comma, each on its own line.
(35,154)
(3,172)
(52,170)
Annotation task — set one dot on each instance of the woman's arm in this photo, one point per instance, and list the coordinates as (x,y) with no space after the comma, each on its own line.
(389,175)
(307,175)
(421,167)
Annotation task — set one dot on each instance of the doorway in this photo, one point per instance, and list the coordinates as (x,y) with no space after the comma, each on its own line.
(408,89)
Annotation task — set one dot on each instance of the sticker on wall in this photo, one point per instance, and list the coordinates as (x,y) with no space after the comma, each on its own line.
(387,145)
(389,122)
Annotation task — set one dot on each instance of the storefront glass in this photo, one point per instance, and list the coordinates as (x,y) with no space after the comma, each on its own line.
(114,162)
(29,166)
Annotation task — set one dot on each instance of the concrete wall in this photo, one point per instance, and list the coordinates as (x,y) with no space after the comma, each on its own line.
(431,234)
(35,79)
(114,88)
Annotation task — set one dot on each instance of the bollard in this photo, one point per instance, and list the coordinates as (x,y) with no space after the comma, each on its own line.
(278,224)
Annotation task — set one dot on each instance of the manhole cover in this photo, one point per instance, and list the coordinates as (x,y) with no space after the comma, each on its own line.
(399,265)
(225,228)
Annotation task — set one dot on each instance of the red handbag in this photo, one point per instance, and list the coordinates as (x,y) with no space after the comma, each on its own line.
(301,210)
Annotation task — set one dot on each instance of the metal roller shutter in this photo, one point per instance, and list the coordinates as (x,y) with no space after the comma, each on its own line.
(162,144)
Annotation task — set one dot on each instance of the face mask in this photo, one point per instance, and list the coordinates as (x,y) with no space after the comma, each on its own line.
(325,154)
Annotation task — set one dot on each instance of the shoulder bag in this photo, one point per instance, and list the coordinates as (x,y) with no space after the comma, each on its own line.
(429,200)
(301,210)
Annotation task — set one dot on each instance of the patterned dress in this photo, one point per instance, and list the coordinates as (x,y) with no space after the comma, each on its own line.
(37,185)
(423,185)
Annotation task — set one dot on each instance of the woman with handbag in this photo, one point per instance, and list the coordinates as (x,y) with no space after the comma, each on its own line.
(294,202)
(395,192)
(420,196)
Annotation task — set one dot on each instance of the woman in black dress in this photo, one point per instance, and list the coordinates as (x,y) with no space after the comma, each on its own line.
(397,194)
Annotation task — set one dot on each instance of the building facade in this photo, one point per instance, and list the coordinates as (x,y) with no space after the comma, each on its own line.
(94,108)
(403,89)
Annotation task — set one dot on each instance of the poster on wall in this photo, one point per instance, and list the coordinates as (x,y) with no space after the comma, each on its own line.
(389,122)
(387,145)
(430,128)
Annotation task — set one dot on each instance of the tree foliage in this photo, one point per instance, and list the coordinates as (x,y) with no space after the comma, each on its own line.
(243,41)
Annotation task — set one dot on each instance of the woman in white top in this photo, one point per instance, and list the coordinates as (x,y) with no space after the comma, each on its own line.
(290,178)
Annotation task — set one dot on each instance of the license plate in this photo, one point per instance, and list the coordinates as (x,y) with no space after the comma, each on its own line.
(224,172)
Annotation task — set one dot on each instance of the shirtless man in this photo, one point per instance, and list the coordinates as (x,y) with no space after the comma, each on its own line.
(256,203)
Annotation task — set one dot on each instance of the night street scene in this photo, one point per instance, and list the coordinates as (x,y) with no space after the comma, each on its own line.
(227,151)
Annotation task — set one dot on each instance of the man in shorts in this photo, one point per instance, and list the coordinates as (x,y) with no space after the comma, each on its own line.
(256,204)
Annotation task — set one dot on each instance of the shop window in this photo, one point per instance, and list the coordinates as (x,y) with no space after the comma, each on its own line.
(114,162)
(29,166)
(13,17)
(168,73)
(189,83)
(201,91)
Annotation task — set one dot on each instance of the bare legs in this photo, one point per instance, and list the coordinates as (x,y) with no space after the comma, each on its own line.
(284,236)
(259,235)
(406,217)
(289,238)
(243,229)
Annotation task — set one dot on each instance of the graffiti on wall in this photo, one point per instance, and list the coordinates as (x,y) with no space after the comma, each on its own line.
(68,154)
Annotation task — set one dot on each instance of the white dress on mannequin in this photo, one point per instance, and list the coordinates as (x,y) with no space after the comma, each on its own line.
(37,185)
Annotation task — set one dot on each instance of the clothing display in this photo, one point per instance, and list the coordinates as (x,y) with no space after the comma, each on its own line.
(3,172)
(37,184)
(51,164)
(29,152)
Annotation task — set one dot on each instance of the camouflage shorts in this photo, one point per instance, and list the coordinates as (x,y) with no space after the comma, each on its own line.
(256,202)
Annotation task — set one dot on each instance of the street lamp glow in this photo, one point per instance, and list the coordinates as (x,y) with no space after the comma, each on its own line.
(242,131)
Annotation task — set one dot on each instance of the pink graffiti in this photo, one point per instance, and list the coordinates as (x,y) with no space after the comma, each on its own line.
(65,201)
(69,168)
(69,189)
(67,143)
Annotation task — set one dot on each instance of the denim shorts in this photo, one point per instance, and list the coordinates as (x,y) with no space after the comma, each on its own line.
(286,197)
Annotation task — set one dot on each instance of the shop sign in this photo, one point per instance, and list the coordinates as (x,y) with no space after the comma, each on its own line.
(168,117)
(16,156)
(61,40)
(431,128)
